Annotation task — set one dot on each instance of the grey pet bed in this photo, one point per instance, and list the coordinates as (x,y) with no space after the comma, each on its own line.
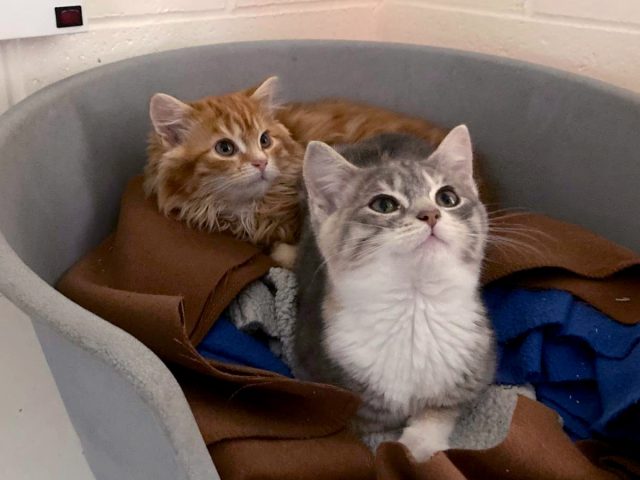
(556,143)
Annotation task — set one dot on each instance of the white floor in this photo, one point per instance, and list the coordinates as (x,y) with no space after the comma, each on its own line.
(37,440)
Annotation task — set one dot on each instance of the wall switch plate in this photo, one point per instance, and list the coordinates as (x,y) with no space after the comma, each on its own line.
(36,18)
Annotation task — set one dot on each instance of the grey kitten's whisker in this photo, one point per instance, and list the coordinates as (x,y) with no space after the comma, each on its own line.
(490,208)
(500,242)
(503,216)
(530,234)
(504,241)
(493,211)
(498,221)
(514,227)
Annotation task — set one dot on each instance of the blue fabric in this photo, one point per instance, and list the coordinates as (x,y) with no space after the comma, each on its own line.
(225,343)
(581,363)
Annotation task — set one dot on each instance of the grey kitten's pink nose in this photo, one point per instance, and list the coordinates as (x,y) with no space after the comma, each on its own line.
(429,216)
(260,163)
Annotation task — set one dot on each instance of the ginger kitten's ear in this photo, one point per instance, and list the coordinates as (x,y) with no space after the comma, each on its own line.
(265,93)
(170,117)
(325,174)
(455,153)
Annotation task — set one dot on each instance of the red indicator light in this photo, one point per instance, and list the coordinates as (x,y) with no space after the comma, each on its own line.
(68,16)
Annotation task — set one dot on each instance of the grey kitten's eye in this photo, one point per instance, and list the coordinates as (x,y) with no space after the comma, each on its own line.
(447,197)
(265,140)
(384,204)
(225,147)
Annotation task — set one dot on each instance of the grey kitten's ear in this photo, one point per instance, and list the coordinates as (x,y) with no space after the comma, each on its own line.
(170,117)
(455,152)
(325,174)
(266,92)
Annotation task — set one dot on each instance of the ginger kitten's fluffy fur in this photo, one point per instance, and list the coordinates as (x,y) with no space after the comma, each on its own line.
(254,192)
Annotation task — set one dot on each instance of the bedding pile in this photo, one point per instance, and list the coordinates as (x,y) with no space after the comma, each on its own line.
(218,313)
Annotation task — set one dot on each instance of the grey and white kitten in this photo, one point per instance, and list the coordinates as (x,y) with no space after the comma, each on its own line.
(389,271)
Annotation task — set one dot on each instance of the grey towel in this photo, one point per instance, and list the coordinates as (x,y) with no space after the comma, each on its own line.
(269,306)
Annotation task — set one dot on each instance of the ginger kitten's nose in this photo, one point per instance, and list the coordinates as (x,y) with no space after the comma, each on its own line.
(260,163)
(429,216)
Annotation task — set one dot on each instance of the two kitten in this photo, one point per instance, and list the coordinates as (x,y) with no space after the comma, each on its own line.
(389,303)
(389,300)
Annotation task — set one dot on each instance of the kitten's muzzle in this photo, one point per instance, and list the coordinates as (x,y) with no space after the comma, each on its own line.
(430,216)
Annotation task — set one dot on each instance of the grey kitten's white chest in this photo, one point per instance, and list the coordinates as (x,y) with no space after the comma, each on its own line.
(409,345)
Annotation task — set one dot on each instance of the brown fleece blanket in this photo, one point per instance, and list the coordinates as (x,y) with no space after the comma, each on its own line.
(167,284)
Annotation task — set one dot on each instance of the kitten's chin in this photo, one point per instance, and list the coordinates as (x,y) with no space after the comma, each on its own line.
(258,185)
(429,242)
(426,250)
(253,191)
(270,173)
(434,250)
(252,187)
(433,241)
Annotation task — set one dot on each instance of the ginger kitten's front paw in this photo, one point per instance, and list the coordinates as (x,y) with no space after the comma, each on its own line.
(429,432)
(284,254)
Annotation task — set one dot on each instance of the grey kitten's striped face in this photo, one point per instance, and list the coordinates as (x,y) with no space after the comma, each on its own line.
(392,196)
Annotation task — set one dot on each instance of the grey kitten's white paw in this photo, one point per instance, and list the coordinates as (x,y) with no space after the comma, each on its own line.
(428,433)
(422,446)
(284,254)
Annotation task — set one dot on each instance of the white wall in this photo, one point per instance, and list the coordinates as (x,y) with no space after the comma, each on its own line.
(598,38)
(592,37)
(123,28)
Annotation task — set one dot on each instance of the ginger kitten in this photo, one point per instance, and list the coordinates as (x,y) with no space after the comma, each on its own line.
(233,162)
(226,163)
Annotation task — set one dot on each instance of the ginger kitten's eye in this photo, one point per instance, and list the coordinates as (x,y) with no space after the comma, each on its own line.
(447,197)
(265,140)
(225,147)
(384,204)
